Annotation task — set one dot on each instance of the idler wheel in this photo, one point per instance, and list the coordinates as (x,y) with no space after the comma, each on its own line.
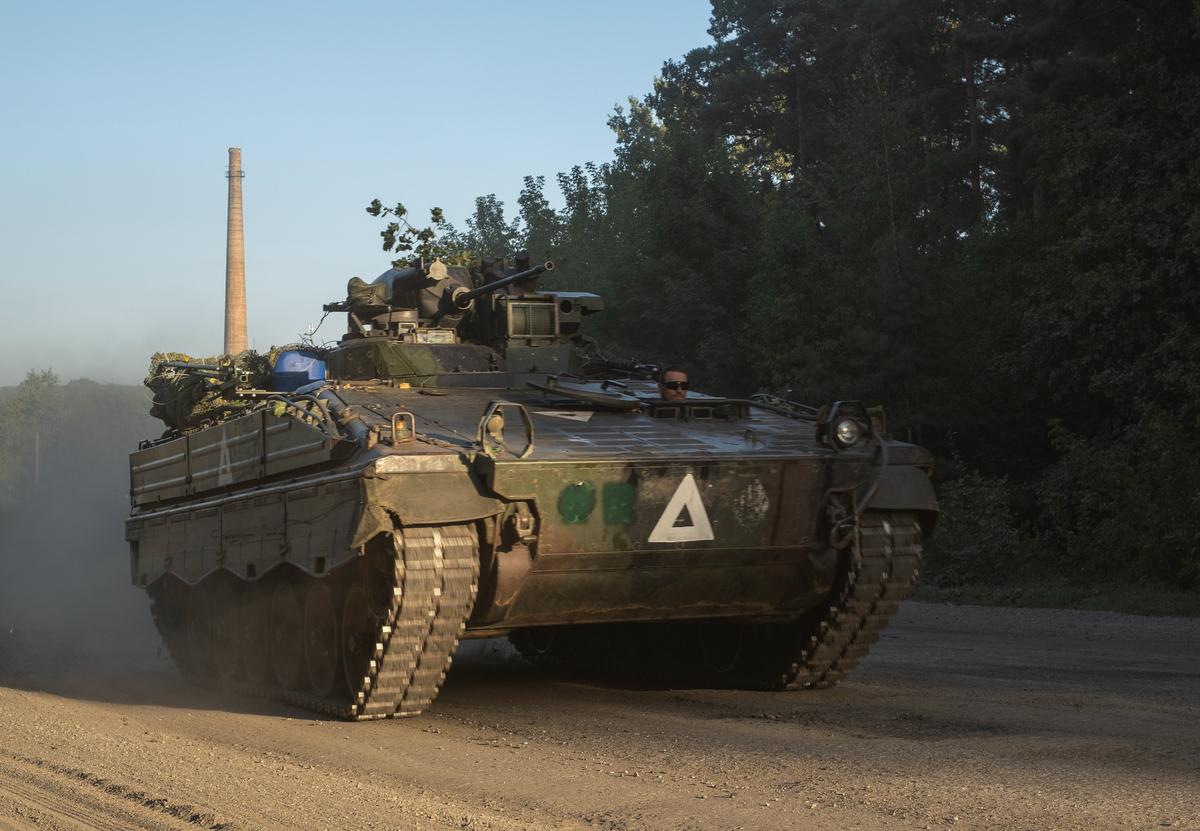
(287,650)
(360,627)
(320,638)
(226,629)
(199,630)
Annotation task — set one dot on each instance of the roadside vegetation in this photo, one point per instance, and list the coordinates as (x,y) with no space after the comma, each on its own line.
(67,442)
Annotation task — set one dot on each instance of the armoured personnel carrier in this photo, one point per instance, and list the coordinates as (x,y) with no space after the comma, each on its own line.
(468,467)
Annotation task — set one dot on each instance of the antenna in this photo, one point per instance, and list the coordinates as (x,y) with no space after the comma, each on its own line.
(235,260)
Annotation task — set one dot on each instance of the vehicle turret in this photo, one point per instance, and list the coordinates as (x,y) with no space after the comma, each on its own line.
(433,324)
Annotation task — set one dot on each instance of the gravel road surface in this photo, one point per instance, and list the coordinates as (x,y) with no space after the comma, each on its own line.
(961,718)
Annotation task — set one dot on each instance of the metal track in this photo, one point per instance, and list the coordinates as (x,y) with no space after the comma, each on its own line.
(434,579)
(884,563)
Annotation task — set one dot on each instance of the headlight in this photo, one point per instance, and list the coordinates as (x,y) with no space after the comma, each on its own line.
(843,425)
(847,432)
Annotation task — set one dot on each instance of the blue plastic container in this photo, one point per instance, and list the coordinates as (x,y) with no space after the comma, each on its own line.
(295,368)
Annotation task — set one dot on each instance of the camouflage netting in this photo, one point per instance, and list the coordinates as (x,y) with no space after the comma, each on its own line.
(206,389)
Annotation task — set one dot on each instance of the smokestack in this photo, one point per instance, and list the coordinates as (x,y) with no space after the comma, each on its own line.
(235,260)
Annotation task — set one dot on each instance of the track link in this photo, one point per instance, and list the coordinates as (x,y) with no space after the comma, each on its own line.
(884,563)
(434,577)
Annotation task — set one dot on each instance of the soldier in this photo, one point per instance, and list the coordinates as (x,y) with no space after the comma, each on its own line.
(673,384)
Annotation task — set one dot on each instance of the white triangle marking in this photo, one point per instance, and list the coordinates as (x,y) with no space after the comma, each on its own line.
(687,495)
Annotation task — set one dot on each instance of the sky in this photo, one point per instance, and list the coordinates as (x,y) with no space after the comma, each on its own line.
(117,119)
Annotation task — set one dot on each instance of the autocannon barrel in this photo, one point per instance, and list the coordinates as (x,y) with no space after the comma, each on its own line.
(463,299)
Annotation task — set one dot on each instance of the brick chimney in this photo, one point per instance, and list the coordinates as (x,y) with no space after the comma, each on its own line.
(235,260)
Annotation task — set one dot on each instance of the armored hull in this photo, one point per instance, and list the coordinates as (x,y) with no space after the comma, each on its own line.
(332,546)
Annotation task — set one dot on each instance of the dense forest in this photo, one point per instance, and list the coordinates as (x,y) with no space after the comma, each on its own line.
(982,214)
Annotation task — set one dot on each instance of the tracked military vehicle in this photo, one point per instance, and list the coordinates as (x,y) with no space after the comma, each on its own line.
(469,467)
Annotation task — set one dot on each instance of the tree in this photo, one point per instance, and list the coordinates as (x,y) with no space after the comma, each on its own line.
(540,228)
(26,420)
(488,233)
(437,240)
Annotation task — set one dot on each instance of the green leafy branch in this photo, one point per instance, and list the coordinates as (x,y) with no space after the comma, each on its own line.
(437,240)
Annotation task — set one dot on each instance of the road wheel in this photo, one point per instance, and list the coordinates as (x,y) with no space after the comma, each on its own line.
(226,626)
(287,650)
(320,638)
(254,634)
(199,631)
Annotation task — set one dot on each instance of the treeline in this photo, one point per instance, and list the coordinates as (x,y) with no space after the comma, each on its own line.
(58,441)
(30,415)
(982,214)
(64,497)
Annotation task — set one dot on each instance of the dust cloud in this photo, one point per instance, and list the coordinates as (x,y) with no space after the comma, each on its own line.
(70,619)
(66,603)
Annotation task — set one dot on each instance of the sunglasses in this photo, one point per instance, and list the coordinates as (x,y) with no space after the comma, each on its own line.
(675,385)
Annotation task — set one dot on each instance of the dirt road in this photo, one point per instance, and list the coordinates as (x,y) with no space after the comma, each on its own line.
(961,718)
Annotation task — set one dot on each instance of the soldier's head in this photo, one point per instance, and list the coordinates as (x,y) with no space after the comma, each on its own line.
(673,383)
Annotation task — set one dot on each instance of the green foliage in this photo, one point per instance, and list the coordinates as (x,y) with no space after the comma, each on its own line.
(437,240)
(29,418)
(35,397)
(487,233)
(976,540)
(538,223)
(1127,507)
(656,233)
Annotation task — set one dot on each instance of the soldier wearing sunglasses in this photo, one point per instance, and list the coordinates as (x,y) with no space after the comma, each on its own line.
(673,384)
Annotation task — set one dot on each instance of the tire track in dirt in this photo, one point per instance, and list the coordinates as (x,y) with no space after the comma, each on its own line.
(58,796)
